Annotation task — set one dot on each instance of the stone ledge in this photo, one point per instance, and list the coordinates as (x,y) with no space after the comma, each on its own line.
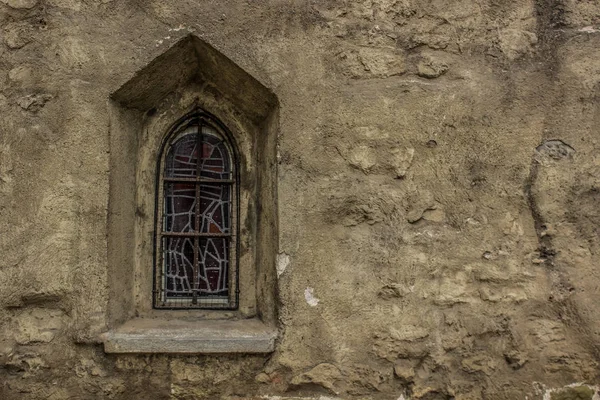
(144,335)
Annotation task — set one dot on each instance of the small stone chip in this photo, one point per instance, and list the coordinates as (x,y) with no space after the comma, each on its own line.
(555,149)
(404,371)
(430,68)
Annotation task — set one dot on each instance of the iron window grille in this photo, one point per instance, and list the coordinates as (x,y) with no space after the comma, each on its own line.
(196,246)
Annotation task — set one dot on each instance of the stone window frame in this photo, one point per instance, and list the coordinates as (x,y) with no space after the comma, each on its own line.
(154,130)
(189,75)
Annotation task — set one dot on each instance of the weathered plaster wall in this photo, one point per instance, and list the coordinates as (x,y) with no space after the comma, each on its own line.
(438,194)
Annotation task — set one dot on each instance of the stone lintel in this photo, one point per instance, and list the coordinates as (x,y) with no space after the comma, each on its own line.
(145,335)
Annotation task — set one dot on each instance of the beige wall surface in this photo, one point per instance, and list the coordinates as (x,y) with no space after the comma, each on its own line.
(437,197)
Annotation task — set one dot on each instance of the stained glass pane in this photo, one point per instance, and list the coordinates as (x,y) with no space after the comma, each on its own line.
(179,259)
(214,264)
(180,207)
(182,158)
(215,162)
(196,264)
(214,208)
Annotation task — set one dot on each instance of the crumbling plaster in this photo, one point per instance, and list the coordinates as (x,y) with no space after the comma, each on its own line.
(437,192)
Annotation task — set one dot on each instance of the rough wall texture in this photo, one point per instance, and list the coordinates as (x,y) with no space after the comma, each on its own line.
(438,194)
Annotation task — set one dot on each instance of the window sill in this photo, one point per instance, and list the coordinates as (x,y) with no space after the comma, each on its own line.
(175,336)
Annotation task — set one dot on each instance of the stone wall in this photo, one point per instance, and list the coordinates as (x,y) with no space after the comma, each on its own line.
(438,196)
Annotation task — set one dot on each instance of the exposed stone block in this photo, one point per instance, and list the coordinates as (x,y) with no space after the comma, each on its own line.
(574,393)
(431,68)
(401,159)
(516,43)
(403,369)
(372,63)
(393,290)
(34,102)
(38,325)
(325,375)
(479,363)
(17,34)
(20,4)
(555,150)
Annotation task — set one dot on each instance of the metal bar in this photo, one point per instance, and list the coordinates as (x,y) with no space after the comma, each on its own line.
(197,234)
(237,176)
(196,267)
(199,180)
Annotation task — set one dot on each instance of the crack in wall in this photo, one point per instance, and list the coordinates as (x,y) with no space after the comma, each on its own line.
(561,289)
(545,246)
(551,23)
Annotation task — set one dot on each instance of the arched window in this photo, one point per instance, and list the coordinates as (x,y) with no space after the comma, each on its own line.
(196,247)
